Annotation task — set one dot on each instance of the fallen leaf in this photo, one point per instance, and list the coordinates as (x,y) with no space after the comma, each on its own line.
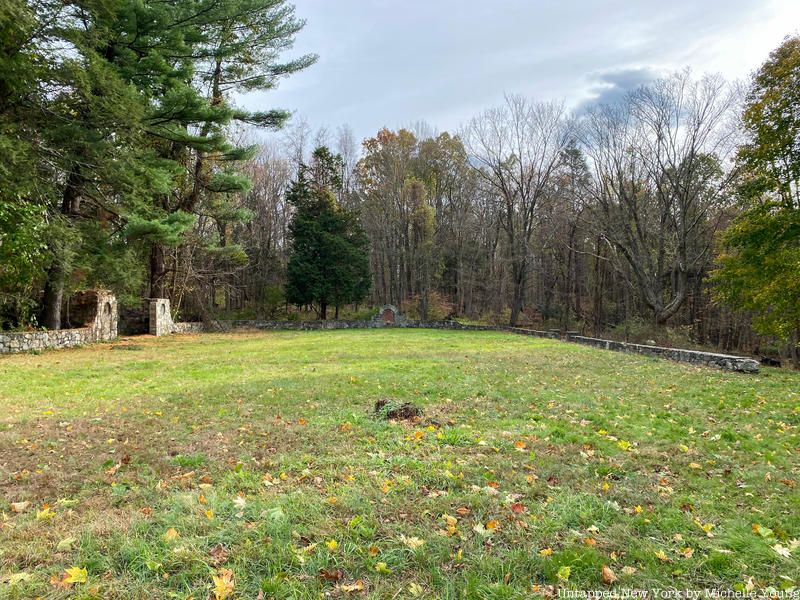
(412,542)
(331,574)
(45,514)
(608,575)
(223,584)
(383,568)
(783,550)
(661,555)
(19,507)
(563,573)
(76,575)
(356,586)
(65,545)
(546,552)
(171,534)
(15,578)
(219,554)
(416,589)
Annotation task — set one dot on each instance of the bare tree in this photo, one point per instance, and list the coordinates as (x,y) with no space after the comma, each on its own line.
(658,160)
(347,148)
(517,148)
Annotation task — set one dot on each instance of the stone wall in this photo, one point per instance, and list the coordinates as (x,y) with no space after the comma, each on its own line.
(334,324)
(710,359)
(96,310)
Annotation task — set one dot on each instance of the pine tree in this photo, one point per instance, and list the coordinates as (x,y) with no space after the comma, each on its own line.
(328,263)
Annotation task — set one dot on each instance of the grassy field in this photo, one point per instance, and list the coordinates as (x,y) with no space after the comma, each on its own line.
(252,466)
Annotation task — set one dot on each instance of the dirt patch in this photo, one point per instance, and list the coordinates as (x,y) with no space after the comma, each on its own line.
(387,408)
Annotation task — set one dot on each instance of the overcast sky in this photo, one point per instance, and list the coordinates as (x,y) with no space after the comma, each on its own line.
(394,62)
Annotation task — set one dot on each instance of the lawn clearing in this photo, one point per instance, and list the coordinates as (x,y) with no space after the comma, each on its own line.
(236,465)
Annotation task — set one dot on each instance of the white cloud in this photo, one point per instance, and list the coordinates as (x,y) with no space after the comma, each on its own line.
(388,63)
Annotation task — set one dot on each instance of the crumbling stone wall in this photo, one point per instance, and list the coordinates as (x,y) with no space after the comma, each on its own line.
(161,322)
(95,310)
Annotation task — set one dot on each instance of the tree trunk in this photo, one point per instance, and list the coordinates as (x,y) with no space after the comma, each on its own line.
(158,271)
(519,293)
(53,299)
(323,310)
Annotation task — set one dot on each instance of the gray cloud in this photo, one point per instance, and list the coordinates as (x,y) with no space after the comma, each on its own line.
(389,63)
(612,86)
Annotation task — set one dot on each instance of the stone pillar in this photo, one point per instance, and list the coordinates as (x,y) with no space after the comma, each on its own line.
(160,317)
(96,310)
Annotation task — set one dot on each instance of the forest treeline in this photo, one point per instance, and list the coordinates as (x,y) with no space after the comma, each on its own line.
(671,214)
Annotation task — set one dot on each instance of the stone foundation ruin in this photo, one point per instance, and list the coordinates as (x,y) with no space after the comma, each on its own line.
(95,310)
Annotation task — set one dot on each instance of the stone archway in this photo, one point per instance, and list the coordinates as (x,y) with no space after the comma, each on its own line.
(387,316)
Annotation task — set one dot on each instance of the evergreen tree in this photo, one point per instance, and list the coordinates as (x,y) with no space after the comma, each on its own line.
(328,263)
(115,130)
(233,46)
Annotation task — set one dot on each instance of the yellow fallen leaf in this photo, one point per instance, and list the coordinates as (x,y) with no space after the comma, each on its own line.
(223,584)
(45,514)
(171,534)
(412,542)
(76,575)
(383,568)
(694,465)
(356,586)
(14,578)
(332,545)
(546,552)
(416,590)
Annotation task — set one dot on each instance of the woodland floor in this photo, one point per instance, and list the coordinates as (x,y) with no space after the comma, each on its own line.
(252,466)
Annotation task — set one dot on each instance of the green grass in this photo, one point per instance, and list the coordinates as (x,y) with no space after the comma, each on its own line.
(532,456)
